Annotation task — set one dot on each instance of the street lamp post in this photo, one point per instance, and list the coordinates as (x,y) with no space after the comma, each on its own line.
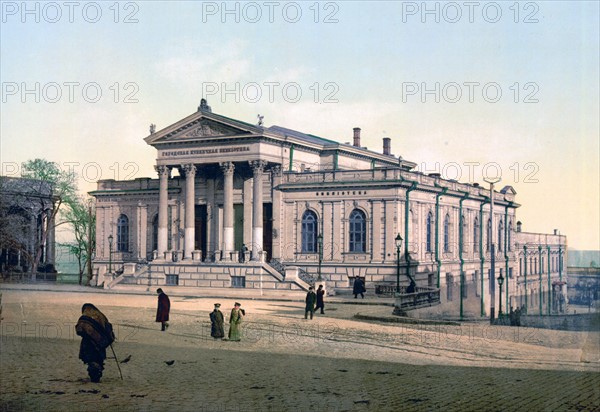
(110,245)
(398,246)
(492,251)
(320,246)
(500,282)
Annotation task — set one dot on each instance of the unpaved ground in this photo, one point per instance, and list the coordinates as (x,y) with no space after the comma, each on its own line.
(333,362)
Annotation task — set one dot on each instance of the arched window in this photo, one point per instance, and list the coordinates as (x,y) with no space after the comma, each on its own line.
(500,228)
(508,236)
(123,234)
(358,231)
(447,233)
(309,232)
(489,236)
(429,232)
(475,234)
(155,233)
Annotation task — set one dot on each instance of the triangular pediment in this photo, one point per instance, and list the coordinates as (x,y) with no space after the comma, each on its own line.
(206,128)
(201,126)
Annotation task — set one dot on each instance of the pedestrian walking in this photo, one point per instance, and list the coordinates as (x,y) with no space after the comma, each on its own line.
(235,322)
(243,251)
(358,287)
(164,307)
(217,330)
(311,298)
(96,335)
(320,297)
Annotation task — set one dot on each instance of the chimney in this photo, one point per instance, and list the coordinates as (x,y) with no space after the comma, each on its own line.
(356,137)
(556,231)
(387,146)
(518,226)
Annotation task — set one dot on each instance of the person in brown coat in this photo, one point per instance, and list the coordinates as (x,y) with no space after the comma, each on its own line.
(96,335)
(164,307)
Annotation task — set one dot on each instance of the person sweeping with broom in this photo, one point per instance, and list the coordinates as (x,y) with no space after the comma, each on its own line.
(96,335)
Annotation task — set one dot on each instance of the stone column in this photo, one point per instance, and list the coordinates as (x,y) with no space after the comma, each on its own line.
(257,208)
(51,244)
(142,218)
(163,213)
(227,168)
(190,219)
(277,206)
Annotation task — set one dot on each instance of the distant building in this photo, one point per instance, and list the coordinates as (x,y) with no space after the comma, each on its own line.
(305,207)
(24,210)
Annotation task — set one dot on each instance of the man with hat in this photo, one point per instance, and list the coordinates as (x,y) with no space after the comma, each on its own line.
(164,307)
(235,321)
(216,323)
(311,299)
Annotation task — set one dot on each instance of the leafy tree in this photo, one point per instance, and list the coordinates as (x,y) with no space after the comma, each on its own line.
(62,185)
(79,215)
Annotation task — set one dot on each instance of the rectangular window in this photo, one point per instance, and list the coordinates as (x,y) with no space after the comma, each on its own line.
(431,280)
(172,280)
(510,273)
(476,280)
(238,281)
(465,287)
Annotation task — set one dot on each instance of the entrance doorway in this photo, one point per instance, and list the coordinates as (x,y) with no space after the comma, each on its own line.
(200,229)
(268,229)
(238,226)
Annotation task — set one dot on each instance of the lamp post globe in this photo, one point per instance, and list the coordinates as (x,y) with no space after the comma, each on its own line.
(398,246)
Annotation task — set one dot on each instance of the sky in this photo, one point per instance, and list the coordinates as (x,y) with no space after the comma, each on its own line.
(471,90)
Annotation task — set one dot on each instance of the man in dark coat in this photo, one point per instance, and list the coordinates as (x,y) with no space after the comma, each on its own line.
(358,287)
(164,307)
(217,330)
(96,335)
(320,302)
(311,298)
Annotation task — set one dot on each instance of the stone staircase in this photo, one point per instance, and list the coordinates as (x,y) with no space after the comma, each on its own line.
(257,275)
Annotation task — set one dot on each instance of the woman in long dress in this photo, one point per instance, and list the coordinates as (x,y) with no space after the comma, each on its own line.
(235,322)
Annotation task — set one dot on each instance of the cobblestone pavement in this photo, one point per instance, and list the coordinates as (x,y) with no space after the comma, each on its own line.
(284,363)
(230,380)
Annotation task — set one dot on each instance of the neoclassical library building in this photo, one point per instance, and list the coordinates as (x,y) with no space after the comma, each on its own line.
(270,209)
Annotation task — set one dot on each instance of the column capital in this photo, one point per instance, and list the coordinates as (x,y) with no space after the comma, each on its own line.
(257,165)
(276,170)
(227,167)
(189,169)
(163,170)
